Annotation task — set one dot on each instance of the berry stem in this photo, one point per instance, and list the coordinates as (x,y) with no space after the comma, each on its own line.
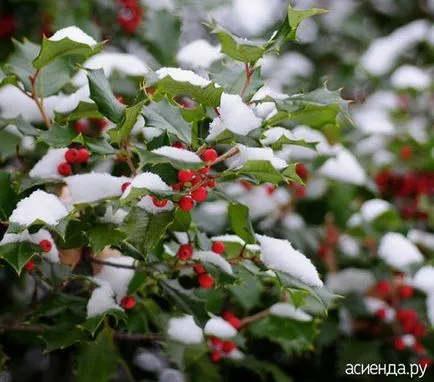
(39,101)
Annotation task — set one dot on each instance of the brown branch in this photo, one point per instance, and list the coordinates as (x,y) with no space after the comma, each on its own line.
(255,317)
(39,101)
(228,154)
(20,159)
(249,73)
(129,160)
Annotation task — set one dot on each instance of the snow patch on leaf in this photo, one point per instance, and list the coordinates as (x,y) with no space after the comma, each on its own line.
(184,329)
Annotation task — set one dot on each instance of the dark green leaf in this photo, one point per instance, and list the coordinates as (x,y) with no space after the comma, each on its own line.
(63,337)
(122,131)
(7,196)
(150,158)
(58,136)
(102,235)
(240,222)
(18,254)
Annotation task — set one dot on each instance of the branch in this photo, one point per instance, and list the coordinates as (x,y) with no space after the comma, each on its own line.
(228,154)
(255,317)
(39,101)
(249,73)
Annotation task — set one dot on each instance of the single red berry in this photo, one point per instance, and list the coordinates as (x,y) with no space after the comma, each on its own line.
(185,252)
(206,281)
(196,180)
(384,287)
(398,344)
(300,191)
(125,186)
(323,251)
(425,362)
(419,330)
(301,171)
(211,183)
(128,302)
(381,313)
(100,123)
(405,291)
(199,269)
(247,185)
(406,315)
(178,145)
(30,266)
(159,203)
(406,152)
(215,356)
(204,170)
(185,176)
(228,346)
(45,245)
(64,169)
(209,155)
(176,186)
(270,189)
(218,247)
(217,343)
(200,194)
(232,319)
(186,203)
(81,126)
(7,26)
(71,155)
(83,155)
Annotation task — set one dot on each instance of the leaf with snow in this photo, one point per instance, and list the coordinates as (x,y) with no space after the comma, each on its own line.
(199,54)
(218,327)
(185,330)
(287,310)
(176,157)
(277,137)
(66,41)
(213,258)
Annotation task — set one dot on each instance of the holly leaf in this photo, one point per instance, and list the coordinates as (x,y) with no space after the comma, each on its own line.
(262,171)
(18,254)
(92,324)
(7,196)
(102,94)
(21,124)
(83,110)
(58,135)
(240,222)
(52,50)
(164,116)
(122,131)
(62,337)
(153,159)
(98,237)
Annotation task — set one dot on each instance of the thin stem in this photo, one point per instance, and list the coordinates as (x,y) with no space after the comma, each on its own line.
(249,73)
(255,317)
(228,154)
(39,101)
(128,160)
(20,159)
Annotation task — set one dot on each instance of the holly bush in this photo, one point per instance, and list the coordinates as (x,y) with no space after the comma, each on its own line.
(183,203)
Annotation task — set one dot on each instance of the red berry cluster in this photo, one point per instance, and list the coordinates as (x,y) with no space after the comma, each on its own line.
(205,280)
(405,190)
(128,302)
(129,15)
(220,348)
(72,156)
(329,242)
(91,127)
(7,26)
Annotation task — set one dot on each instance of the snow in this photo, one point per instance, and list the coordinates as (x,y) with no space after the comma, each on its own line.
(148,361)
(422,238)
(383,53)
(92,187)
(213,258)
(171,375)
(293,221)
(36,238)
(279,255)
(274,134)
(235,116)
(184,329)
(369,211)
(373,305)
(373,121)
(124,63)
(118,278)
(371,145)
(46,167)
(256,153)
(424,279)
(74,34)
(220,328)
(181,75)
(39,205)
(151,132)
(408,76)
(408,339)
(344,168)
(398,252)
(69,102)
(101,300)
(114,217)
(235,239)
(282,309)
(348,245)
(177,154)
(148,180)
(199,54)
(147,204)
(350,280)
(235,355)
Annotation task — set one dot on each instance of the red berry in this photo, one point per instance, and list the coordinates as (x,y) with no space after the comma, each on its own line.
(176,186)
(215,356)
(217,343)
(159,203)
(30,266)
(125,186)
(323,251)
(178,145)
(64,169)
(406,152)
(211,183)
(406,315)
(100,123)
(71,155)
(270,189)
(185,176)
(199,269)
(128,302)
(200,194)
(45,245)
(384,287)
(228,346)
(405,291)
(398,344)
(425,362)
(419,330)
(218,247)
(301,170)
(204,170)
(196,180)
(185,252)
(83,155)
(232,319)
(80,126)
(418,347)
(186,203)
(381,313)
(209,155)
(206,281)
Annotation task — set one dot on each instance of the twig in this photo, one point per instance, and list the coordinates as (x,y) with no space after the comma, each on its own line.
(20,159)
(249,73)
(128,159)
(255,317)
(39,101)
(228,154)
